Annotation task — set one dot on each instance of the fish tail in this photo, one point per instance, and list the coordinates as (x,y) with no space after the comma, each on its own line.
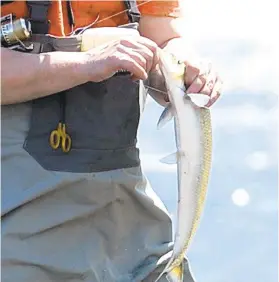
(176,274)
(166,270)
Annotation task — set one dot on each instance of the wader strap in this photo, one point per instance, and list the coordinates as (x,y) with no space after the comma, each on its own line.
(133,11)
(6,2)
(38,12)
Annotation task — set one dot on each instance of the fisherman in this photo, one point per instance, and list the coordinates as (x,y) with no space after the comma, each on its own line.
(81,209)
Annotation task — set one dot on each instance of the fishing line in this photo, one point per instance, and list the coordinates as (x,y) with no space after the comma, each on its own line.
(121,12)
(152,88)
(157,90)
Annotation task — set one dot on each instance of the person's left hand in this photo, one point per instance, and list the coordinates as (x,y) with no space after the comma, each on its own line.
(199,78)
(203,79)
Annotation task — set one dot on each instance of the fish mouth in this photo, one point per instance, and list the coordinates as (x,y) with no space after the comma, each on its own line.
(171,67)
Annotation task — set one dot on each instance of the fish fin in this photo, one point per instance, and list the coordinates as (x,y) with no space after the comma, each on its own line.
(170,159)
(176,274)
(198,99)
(166,270)
(165,117)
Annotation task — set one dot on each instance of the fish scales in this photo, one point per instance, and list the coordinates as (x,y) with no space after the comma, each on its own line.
(193,134)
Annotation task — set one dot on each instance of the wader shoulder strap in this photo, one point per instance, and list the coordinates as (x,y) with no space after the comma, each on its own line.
(38,12)
(3,2)
(133,11)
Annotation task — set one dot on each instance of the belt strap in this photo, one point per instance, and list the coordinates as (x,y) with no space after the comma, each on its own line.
(132,10)
(38,12)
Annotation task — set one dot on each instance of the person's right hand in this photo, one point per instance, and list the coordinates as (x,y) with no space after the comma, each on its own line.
(137,55)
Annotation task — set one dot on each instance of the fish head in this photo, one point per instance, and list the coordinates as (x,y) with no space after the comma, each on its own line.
(172,69)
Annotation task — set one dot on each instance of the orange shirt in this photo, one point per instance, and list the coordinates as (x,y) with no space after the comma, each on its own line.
(86,12)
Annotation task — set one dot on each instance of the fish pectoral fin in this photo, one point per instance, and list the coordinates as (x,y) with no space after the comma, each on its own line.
(198,99)
(165,117)
(176,274)
(170,159)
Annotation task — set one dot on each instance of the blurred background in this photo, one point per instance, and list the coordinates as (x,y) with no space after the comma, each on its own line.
(237,237)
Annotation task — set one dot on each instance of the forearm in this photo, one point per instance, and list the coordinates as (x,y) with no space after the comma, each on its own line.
(29,76)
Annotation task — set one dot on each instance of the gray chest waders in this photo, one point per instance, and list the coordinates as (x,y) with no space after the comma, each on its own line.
(100,119)
(98,225)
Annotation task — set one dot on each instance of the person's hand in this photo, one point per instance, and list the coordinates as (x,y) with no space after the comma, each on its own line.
(137,55)
(202,78)
(199,78)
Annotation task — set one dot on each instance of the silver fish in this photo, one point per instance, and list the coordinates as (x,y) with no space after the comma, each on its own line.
(192,126)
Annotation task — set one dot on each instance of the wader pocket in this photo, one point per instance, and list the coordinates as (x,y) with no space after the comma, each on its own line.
(101,120)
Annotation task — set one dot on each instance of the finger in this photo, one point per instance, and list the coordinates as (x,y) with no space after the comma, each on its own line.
(197,84)
(191,73)
(137,41)
(136,56)
(213,100)
(208,87)
(147,47)
(216,92)
(146,54)
(137,71)
(148,43)
(151,45)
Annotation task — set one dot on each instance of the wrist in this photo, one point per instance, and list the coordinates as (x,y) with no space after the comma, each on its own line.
(84,68)
(88,66)
(65,64)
